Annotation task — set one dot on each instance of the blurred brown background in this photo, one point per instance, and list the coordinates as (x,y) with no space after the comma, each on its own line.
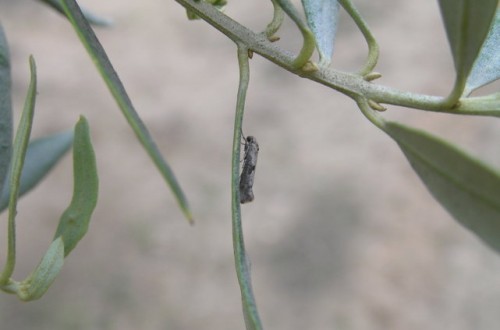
(342,234)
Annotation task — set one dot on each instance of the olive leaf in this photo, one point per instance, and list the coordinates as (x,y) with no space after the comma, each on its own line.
(487,66)
(467,189)
(467,23)
(322,17)
(108,73)
(74,222)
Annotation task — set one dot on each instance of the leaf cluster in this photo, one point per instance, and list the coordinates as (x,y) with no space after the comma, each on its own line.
(24,163)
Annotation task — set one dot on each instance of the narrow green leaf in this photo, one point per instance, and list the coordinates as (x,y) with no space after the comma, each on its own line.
(98,55)
(467,23)
(38,282)
(75,220)
(41,156)
(322,17)
(18,156)
(92,18)
(468,189)
(5,109)
(487,66)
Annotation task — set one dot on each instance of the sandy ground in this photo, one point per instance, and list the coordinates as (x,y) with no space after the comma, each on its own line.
(342,234)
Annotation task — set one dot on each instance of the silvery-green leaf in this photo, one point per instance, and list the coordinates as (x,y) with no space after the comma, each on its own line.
(465,187)
(38,282)
(467,23)
(117,89)
(75,220)
(92,18)
(5,109)
(487,66)
(41,156)
(322,17)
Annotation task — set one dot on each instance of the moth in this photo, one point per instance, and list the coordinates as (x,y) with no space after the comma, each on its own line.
(248,171)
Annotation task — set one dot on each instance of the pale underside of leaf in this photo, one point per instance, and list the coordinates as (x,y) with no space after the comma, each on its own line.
(322,17)
(487,66)
(467,23)
(38,282)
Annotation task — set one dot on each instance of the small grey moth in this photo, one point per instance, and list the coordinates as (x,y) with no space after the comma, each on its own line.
(248,171)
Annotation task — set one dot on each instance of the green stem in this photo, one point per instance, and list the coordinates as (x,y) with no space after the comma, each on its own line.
(309,44)
(369,113)
(457,91)
(275,24)
(252,319)
(19,152)
(373,49)
(481,105)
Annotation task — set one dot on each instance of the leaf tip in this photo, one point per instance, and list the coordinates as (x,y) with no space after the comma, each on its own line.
(189,216)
